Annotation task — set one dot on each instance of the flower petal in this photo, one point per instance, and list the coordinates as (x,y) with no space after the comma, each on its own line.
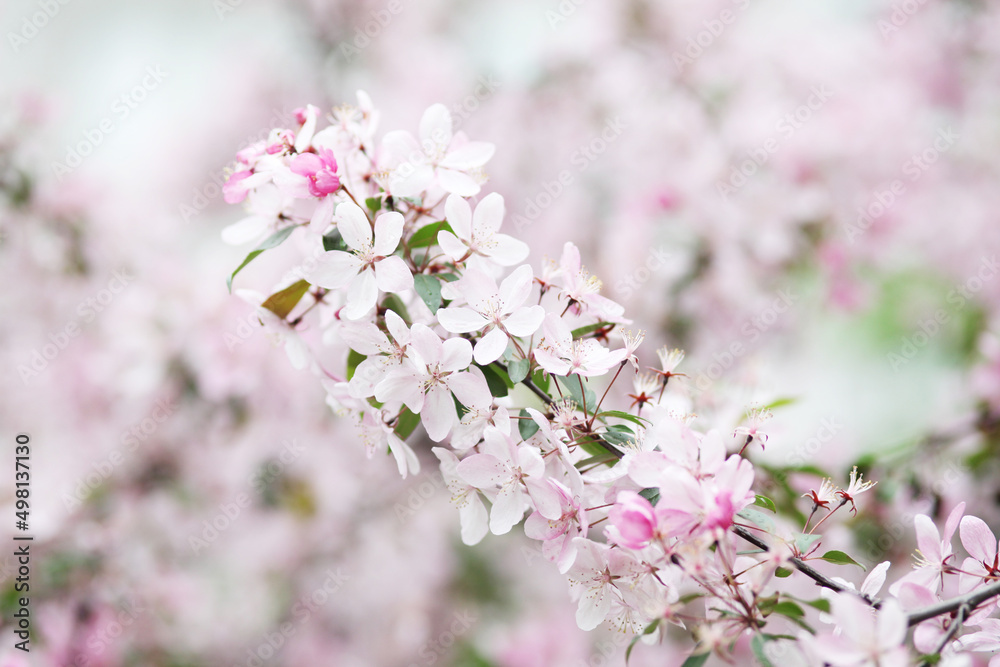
(392,275)
(388,230)
(334,269)
(362,295)
(353,226)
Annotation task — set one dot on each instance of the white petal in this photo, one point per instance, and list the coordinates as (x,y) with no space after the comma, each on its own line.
(406,460)
(448,242)
(353,226)
(323,215)
(508,509)
(471,390)
(362,296)
(491,347)
(489,213)
(515,288)
(507,251)
(456,354)
(457,182)
(248,229)
(334,269)
(435,126)
(461,320)
(458,213)
(470,156)
(388,230)
(438,414)
(475,523)
(524,321)
(392,275)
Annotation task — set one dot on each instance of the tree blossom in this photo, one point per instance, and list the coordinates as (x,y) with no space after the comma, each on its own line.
(370,267)
(559,354)
(381,354)
(478,233)
(558,535)
(983,564)
(863,641)
(426,380)
(471,511)
(519,472)
(934,551)
(581,289)
(597,578)
(450,161)
(376,433)
(499,312)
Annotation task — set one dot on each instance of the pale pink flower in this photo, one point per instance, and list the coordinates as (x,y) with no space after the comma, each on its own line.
(376,435)
(381,354)
(582,289)
(595,577)
(370,267)
(471,511)
(518,472)
(559,354)
(498,311)
(866,637)
(265,204)
(558,534)
(477,233)
(983,565)
(451,161)
(934,551)
(433,371)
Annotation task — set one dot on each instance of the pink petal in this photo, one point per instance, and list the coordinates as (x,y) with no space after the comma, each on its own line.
(474,519)
(508,508)
(428,345)
(470,389)
(451,245)
(483,471)
(978,539)
(401,385)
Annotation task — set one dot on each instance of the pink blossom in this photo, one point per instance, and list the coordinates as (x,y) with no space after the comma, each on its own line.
(582,289)
(471,511)
(983,565)
(596,578)
(427,379)
(866,638)
(320,168)
(558,534)
(559,354)
(370,267)
(478,233)
(518,472)
(633,519)
(451,161)
(934,551)
(498,311)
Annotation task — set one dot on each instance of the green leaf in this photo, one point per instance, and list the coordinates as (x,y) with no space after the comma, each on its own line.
(526,426)
(354,359)
(840,558)
(757,646)
(650,629)
(618,414)
(517,369)
(804,542)
(332,240)
(272,241)
(651,494)
(757,518)
(782,572)
(428,234)
(429,289)
(597,459)
(281,303)
(496,379)
(780,403)
(618,434)
(572,385)
(819,603)
(396,305)
(374,204)
(590,328)
(697,660)
(789,609)
(765,502)
(407,423)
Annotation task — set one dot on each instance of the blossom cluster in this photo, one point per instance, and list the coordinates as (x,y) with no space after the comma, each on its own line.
(413,308)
